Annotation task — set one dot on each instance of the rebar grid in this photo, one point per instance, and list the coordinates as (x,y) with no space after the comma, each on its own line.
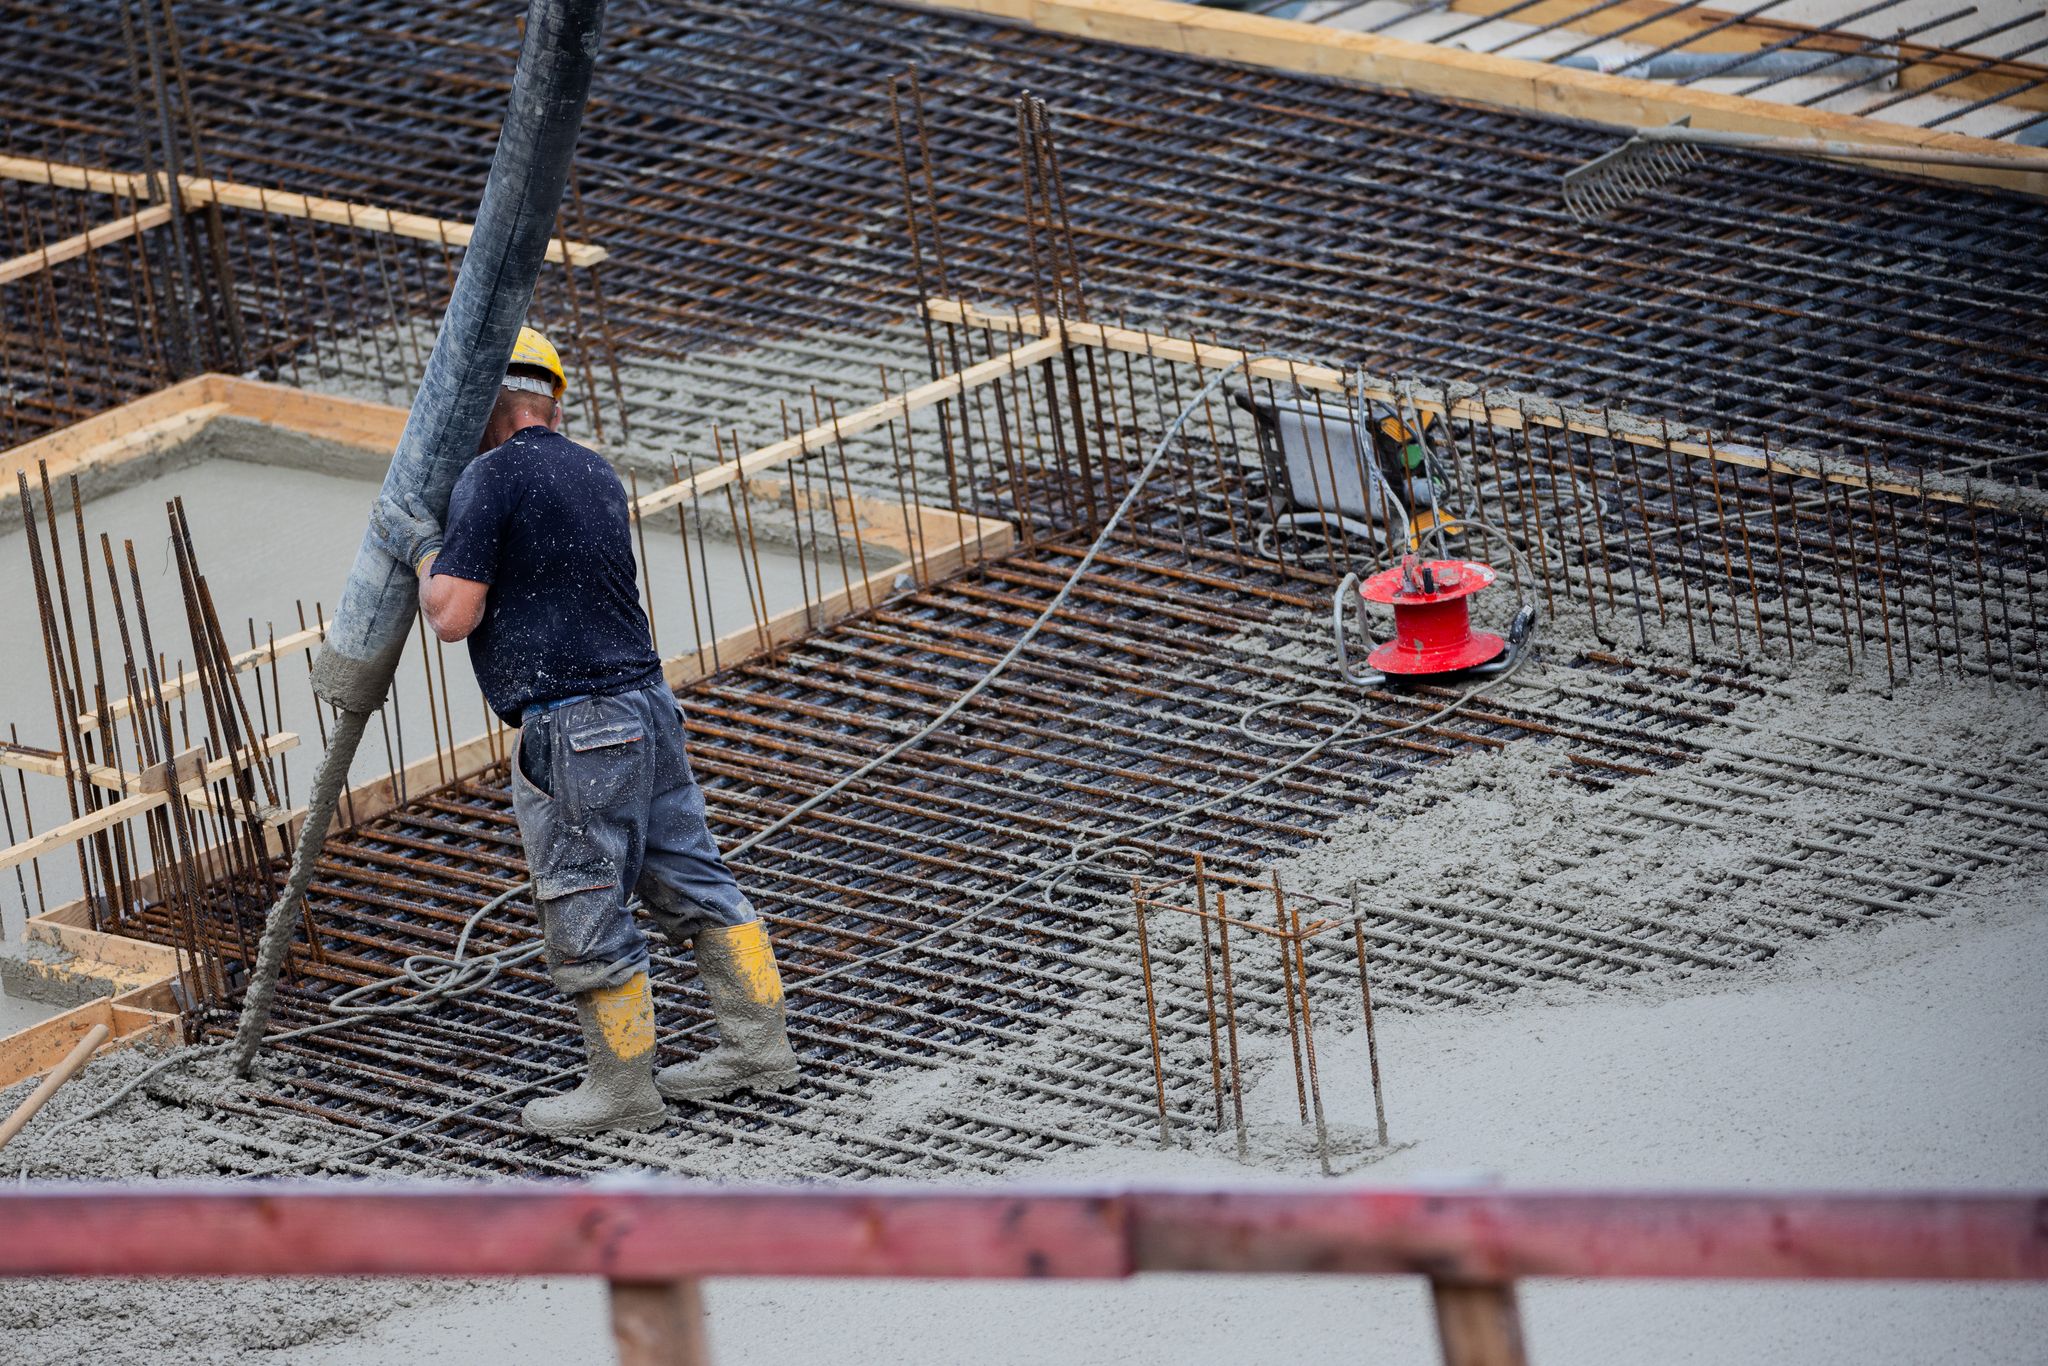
(739,164)
(913,933)
(1133,709)
(1130,715)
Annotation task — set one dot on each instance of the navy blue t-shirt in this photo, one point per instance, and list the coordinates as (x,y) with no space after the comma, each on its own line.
(544,522)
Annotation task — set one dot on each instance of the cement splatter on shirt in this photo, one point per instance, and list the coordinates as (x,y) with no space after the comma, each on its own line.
(544,522)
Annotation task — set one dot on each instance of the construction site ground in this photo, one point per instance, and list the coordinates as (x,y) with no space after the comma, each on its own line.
(1737,879)
(1905,1057)
(1904,1052)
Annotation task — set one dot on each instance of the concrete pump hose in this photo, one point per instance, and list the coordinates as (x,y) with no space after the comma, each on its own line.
(283,924)
(378,604)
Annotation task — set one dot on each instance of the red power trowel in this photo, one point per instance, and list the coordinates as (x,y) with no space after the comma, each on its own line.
(1433,635)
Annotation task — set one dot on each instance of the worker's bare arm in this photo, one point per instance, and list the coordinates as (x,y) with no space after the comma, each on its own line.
(452,606)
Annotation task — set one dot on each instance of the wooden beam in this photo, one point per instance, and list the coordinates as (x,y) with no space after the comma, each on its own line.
(142,801)
(1653,23)
(248,659)
(866,419)
(1478,79)
(200,190)
(327,417)
(65,176)
(78,244)
(1526,410)
(449,232)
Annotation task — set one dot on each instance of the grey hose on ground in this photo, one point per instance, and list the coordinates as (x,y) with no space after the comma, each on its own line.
(492,292)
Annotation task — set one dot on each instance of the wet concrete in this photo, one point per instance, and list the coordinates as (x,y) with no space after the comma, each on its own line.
(19,1013)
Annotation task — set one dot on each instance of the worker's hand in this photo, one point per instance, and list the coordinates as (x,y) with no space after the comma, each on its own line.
(404,532)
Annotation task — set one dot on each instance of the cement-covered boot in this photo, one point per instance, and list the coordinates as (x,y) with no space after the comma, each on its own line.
(737,966)
(618,1091)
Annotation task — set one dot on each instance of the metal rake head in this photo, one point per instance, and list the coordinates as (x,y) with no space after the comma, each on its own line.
(1612,179)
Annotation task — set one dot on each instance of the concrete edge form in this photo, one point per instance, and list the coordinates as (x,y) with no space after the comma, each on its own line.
(1476,78)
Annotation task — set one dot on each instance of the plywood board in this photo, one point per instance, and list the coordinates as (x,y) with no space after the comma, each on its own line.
(1476,78)
(1656,23)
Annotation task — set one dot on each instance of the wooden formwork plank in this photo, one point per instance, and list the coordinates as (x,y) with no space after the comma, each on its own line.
(1476,78)
(1687,441)
(35,1050)
(138,428)
(1656,23)
(448,232)
(126,963)
(330,417)
(66,176)
(196,191)
(78,244)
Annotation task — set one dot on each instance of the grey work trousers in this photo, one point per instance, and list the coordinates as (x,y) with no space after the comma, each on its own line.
(607,804)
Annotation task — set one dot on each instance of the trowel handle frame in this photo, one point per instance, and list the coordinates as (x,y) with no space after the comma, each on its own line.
(1343,607)
(1520,629)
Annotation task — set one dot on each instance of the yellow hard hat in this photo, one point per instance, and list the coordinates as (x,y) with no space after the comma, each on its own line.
(535,350)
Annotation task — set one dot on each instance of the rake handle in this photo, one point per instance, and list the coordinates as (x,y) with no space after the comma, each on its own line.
(1860,151)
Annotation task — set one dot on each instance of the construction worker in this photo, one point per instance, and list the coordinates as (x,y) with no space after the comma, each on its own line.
(536,571)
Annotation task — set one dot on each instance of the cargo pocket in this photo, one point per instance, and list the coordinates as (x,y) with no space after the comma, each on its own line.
(606,753)
(581,919)
(570,879)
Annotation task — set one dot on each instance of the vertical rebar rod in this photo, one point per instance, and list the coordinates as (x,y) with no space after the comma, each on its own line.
(1372,1038)
(1299,942)
(1230,1020)
(1287,990)
(1151,1012)
(1209,991)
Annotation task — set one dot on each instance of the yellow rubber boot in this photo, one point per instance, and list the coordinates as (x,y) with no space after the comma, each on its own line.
(618,1091)
(737,966)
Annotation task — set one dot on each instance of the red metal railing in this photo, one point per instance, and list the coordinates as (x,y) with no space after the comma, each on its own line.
(653,1241)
